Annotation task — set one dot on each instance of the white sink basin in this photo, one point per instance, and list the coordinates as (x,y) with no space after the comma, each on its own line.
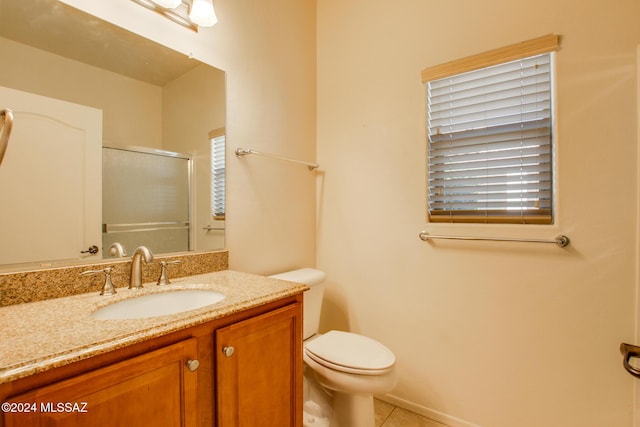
(160,304)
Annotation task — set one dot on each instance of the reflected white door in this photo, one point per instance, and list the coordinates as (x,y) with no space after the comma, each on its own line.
(50,180)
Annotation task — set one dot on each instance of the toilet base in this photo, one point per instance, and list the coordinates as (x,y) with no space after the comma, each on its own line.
(316,410)
(352,410)
(352,393)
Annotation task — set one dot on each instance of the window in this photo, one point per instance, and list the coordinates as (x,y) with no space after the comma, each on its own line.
(217,138)
(490,136)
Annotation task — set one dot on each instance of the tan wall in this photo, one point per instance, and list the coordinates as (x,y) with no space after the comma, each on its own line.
(637,332)
(496,334)
(194,105)
(271,107)
(131,108)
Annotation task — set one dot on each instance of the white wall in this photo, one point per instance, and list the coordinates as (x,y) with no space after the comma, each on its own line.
(495,334)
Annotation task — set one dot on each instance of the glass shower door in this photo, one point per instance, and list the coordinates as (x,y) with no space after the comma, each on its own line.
(146,200)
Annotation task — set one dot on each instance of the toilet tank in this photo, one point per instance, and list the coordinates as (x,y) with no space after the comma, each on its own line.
(312,297)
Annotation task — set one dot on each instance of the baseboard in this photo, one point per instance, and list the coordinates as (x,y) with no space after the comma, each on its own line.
(427,412)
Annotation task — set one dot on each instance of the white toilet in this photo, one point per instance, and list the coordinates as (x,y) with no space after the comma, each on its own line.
(350,367)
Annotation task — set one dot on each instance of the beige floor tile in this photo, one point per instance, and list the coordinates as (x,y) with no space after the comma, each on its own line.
(403,418)
(382,410)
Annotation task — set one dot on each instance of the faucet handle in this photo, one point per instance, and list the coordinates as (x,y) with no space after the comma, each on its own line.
(164,279)
(107,288)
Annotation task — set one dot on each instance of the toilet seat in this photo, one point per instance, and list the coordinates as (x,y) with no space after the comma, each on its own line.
(350,353)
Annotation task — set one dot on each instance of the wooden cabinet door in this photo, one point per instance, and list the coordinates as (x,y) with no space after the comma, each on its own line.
(154,389)
(259,370)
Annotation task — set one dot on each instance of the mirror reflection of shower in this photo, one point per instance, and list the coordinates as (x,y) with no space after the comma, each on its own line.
(6,123)
(146,200)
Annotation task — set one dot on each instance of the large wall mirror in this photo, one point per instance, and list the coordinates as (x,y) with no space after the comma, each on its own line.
(116,139)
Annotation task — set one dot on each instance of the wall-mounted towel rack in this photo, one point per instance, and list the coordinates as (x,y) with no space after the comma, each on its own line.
(145,226)
(6,122)
(560,240)
(241,152)
(212,228)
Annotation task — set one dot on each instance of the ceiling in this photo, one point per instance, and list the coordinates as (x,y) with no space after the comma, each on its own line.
(61,29)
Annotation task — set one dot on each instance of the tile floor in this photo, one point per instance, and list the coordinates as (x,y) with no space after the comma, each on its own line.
(388,415)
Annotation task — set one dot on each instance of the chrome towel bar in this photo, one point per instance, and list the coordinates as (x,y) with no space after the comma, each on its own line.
(211,228)
(241,152)
(560,240)
(145,226)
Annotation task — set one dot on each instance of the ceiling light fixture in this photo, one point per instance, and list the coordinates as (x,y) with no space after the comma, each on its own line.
(188,13)
(202,13)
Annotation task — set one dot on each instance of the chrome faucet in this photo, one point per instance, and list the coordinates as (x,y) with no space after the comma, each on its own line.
(107,288)
(117,250)
(136,265)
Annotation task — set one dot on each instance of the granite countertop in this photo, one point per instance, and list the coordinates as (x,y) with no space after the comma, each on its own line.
(41,335)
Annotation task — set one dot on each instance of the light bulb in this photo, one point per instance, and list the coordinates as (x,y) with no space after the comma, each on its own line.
(202,13)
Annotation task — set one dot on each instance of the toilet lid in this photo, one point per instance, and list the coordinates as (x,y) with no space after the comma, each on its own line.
(350,352)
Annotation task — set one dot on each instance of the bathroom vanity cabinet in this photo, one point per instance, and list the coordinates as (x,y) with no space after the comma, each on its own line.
(154,388)
(257,368)
(244,369)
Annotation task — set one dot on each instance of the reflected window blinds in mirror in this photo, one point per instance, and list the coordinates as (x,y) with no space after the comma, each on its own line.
(218,173)
(189,13)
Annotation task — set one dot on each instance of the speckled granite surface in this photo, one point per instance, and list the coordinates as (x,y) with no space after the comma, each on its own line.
(43,284)
(42,335)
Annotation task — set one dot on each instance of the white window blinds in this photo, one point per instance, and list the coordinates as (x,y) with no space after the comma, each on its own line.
(489,144)
(218,177)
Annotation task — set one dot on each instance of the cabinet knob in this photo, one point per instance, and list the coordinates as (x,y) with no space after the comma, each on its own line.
(228,351)
(193,365)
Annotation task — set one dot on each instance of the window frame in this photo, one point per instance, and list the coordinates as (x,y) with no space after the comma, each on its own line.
(542,45)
